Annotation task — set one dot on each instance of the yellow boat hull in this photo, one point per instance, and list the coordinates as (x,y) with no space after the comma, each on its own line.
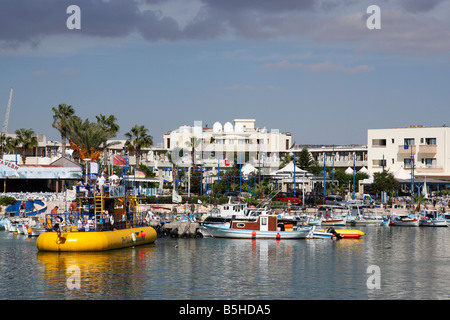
(95,241)
(347,233)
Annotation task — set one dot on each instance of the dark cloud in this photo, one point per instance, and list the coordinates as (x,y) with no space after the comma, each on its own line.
(30,21)
(419,5)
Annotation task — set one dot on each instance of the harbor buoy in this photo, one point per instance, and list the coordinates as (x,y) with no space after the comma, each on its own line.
(133,236)
(254,234)
(142,233)
(278,236)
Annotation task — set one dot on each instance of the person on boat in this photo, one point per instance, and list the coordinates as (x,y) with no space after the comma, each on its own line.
(114,179)
(89,188)
(58,224)
(54,211)
(73,207)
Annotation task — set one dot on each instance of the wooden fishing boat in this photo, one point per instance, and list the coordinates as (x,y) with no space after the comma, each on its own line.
(263,227)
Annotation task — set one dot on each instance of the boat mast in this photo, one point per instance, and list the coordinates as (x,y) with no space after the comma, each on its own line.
(8,108)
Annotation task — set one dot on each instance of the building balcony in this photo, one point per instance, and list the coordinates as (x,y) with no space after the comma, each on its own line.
(403,151)
(428,148)
(429,170)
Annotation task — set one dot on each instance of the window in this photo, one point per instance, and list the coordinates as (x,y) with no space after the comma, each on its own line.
(379,142)
(430,141)
(407,162)
(430,162)
(392,140)
(409,142)
(379,163)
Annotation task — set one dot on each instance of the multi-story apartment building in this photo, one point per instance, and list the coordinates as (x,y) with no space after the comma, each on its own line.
(339,156)
(396,149)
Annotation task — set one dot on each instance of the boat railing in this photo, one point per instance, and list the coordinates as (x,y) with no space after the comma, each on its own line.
(77,221)
(111,191)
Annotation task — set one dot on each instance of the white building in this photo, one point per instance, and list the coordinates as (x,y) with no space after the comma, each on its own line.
(224,145)
(397,148)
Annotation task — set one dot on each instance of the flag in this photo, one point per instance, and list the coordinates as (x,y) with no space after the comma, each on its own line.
(139,173)
(176,197)
(119,161)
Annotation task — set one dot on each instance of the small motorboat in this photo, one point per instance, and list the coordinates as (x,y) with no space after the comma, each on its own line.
(337,233)
(404,221)
(431,218)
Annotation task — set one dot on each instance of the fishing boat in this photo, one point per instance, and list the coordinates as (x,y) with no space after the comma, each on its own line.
(4,222)
(404,221)
(263,227)
(330,217)
(35,231)
(102,222)
(361,215)
(431,218)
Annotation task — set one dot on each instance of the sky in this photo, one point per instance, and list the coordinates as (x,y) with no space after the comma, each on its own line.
(311,68)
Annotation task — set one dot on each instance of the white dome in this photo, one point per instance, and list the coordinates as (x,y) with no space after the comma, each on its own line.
(217,127)
(239,127)
(185,129)
(228,127)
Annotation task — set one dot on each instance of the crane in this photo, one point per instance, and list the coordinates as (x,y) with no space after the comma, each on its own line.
(8,108)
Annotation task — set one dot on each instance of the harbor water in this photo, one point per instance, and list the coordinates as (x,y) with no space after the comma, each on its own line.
(387,263)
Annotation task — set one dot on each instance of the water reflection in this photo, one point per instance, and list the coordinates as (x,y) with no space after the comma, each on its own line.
(115,274)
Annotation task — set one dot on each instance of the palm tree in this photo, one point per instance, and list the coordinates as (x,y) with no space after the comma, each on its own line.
(137,139)
(26,138)
(193,143)
(10,144)
(87,138)
(61,118)
(109,125)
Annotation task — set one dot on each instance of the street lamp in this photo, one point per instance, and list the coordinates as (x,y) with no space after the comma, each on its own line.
(87,171)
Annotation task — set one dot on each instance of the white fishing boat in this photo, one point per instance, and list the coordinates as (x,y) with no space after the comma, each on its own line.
(404,221)
(330,216)
(13,227)
(36,231)
(263,227)
(7,225)
(4,222)
(431,218)
(21,229)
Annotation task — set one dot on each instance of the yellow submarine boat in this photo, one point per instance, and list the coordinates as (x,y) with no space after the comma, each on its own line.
(104,221)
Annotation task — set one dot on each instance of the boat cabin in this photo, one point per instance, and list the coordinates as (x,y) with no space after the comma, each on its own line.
(262,223)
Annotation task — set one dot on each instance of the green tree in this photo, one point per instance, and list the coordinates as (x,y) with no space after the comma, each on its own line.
(305,160)
(138,138)
(385,181)
(61,118)
(27,139)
